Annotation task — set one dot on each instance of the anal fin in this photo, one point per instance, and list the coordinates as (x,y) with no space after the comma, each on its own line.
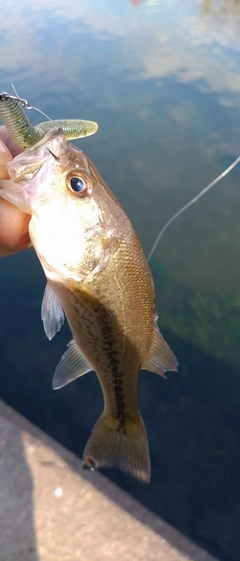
(161,358)
(72,365)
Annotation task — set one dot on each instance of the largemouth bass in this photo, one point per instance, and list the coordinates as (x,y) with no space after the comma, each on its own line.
(98,275)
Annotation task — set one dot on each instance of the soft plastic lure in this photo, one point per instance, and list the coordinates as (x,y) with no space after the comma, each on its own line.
(25,134)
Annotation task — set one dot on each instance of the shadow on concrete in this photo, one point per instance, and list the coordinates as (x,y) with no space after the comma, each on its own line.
(17,535)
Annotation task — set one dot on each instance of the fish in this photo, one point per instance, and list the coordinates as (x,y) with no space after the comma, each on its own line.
(98,277)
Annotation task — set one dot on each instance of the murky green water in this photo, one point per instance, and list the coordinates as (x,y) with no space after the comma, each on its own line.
(162,79)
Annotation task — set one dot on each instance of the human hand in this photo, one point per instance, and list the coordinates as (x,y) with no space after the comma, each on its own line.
(13,223)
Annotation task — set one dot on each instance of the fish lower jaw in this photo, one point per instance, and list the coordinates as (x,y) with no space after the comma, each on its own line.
(16,199)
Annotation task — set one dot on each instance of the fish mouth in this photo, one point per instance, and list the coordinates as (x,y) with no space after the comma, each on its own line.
(18,193)
(15,197)
(27,164)
(18,189)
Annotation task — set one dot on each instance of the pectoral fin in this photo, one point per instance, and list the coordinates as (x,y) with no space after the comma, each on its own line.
(52,312)
(161,358)
(72,365)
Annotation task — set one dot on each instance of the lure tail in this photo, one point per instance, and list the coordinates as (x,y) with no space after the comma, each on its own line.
(25,134)
(126,448)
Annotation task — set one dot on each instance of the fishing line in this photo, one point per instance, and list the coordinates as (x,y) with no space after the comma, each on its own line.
(190,203)
(27,105)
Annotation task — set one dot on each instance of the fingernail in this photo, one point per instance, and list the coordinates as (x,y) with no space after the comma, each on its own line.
(5,154)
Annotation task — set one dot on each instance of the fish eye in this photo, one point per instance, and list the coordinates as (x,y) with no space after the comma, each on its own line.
(78,184)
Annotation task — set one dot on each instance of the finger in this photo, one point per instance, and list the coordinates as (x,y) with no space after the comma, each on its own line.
(9,142)
(14,234)
(13,223)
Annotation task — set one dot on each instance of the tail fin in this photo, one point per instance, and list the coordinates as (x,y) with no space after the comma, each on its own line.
(124,448)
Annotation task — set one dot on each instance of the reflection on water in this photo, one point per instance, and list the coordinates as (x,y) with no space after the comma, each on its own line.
(223,16)
(221,8)
(163,81)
